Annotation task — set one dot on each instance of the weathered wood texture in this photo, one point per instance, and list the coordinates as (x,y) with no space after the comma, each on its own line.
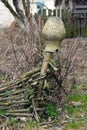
(16,96)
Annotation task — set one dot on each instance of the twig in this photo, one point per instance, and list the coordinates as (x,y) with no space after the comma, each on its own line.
(36,115)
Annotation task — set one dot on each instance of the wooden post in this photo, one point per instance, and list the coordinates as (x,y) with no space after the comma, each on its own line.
(46,60)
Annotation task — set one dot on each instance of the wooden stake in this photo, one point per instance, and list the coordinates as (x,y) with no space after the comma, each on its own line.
(47,57)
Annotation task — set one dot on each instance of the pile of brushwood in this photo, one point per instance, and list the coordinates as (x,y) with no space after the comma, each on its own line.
(16,97)
(20,97)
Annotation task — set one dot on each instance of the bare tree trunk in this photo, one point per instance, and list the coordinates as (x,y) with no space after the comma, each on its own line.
(20,16)
(5,2)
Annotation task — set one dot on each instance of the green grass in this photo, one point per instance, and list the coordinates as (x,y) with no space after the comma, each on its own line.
(82,88)
(77,114)
(76,125)
(78,97)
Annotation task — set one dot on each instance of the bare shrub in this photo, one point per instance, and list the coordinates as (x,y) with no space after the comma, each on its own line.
(19,51)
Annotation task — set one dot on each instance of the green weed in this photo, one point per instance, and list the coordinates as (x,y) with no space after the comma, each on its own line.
(51,110)
(2,112)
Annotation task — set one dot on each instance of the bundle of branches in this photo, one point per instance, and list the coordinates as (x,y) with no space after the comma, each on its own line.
(18,97)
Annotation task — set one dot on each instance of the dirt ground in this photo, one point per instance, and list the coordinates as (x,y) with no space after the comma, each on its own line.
(17,55)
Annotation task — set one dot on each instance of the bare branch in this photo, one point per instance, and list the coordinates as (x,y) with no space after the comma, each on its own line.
(6,3)
(18,10)
(26,4)
(18,14)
